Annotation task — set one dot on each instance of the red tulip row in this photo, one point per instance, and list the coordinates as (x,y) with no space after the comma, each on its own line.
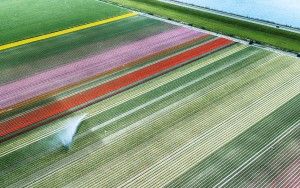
(50,80)
(87,97)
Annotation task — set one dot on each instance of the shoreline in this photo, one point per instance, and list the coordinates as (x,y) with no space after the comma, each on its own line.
(237,38)
(235,16)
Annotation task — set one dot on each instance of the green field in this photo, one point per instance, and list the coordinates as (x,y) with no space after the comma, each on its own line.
(278,38)
(253,158)
(139,128)
(21,19)
(227,118)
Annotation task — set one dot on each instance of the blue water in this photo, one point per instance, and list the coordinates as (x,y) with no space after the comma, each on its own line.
(286,12)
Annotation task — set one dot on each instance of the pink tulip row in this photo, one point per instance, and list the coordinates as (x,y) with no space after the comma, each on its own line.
(50,80)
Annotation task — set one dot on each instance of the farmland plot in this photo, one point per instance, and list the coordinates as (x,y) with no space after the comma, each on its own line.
(157,104)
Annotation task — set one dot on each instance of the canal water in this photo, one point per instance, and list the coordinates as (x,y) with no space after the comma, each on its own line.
(285,12)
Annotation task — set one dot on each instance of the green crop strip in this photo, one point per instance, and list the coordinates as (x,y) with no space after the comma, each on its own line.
(248,144)
(220,110)
(272,164)
(87,141)
(152,129)
(29,18)
(246,30)
(59,51)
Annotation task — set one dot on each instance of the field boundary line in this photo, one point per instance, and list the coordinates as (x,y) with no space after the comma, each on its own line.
(66,31)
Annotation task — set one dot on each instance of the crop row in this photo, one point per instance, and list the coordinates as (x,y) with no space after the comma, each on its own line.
(165,121)
(44,82)
(58,107)
(187,109)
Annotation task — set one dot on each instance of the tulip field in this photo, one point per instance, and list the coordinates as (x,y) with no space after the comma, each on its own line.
(134,101)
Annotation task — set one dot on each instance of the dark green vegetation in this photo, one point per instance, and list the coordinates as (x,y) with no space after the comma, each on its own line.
(278,38)
(251,153)
(21,19)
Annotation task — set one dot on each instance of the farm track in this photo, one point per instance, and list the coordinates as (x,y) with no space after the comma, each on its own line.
(187,110)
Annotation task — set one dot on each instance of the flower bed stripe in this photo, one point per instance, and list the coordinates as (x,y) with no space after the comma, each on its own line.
(90,96)
(39,84)
(66,31)
(139,62)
